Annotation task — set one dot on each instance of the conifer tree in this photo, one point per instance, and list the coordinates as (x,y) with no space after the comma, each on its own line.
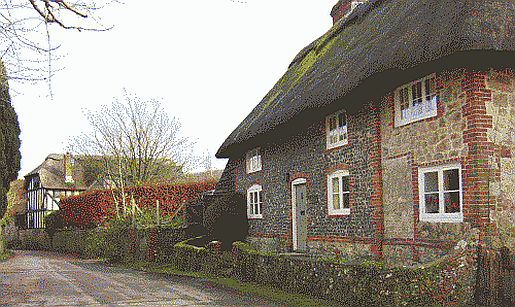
(9,141)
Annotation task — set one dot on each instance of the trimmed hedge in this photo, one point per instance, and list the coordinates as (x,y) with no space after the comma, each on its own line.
(120,244)
(92,208)
(211,259)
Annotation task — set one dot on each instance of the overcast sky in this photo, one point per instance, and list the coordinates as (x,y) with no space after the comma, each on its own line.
(209,62)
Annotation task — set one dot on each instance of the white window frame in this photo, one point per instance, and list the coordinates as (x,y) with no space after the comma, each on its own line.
(441,216)
(255,200)
(409,109)
(336,134)
(330,193)
(253,160)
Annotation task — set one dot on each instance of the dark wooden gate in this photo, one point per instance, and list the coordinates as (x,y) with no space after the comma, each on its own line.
(495,277)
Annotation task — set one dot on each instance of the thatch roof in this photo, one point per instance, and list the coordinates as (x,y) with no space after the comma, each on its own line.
(379,46)
(52,174)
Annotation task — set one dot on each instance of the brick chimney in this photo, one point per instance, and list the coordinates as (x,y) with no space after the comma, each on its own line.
(68,167)
(343,8)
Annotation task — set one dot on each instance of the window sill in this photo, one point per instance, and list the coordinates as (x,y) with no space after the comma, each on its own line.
(254,171)
(343,212)
(255,217)
(441,218)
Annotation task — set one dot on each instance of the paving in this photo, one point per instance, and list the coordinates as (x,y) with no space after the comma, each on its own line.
(35,278)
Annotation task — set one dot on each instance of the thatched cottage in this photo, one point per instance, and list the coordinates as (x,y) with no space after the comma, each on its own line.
(390,136)
(57,177)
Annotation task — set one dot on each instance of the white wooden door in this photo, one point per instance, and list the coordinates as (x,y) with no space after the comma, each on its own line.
(299,215)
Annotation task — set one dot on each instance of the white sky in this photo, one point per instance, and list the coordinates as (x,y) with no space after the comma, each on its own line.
(209,62)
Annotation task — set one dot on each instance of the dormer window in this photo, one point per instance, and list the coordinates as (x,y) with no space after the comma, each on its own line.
(253,160)
(354,4)
(415,101)
(336,129)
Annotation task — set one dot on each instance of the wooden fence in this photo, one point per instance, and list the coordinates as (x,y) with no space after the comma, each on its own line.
(495,279)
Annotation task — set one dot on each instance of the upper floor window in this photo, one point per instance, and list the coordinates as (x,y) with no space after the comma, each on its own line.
(336,129)
(253,160)
(354,4)
(255,201)
(440,194)
(416,100)
(338,192)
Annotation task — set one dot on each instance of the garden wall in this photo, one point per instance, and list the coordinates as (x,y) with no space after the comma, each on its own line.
(446,282)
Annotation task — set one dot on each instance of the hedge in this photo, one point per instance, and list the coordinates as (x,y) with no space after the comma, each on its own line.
(93,207)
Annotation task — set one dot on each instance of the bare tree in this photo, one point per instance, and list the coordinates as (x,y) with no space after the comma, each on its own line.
(134,143)
(25,27)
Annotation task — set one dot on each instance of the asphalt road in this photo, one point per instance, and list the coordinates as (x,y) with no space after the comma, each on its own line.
(34,278)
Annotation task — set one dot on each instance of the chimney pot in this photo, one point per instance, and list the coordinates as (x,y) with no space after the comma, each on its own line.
(68,168)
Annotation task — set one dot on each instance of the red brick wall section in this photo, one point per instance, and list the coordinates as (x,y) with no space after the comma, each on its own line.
(377,183)
(476,171)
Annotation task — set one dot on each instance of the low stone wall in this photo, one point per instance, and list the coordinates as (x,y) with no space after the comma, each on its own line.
(445,282)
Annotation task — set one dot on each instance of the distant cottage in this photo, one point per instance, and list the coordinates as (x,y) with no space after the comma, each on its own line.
(57,177)
(390,136)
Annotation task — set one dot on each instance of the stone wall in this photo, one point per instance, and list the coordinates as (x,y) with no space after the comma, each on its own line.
(501,107)
(305,156)
(433,141)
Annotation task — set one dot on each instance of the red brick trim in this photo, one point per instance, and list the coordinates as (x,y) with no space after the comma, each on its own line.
(342,239)
(414,182)
(269,235)
(475,169)
(377,183)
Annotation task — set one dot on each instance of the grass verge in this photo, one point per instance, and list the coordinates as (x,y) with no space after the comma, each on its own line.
(248,288)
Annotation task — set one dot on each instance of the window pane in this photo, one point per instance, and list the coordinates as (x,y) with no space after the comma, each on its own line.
(332,123)
(336,184)
(345,184)
(346,202)
(451,179)
(416,92)
(336,201)
(430,88)
(258,197)
(432,203)
(431,182)
(342,120)
(403,96)
(452,202)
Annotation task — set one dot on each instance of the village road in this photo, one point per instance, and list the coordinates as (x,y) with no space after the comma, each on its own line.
(34,278)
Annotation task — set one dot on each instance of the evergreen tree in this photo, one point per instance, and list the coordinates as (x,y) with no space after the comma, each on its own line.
(9,141)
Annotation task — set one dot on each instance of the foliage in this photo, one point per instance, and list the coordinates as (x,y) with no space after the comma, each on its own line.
(53,222)
(98,207)
(15,201)
(9,142)
(26,26)
(134,144)
(5,254)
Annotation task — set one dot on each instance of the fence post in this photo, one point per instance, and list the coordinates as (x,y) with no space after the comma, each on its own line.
(505,289)
(157,212)
(479,293)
